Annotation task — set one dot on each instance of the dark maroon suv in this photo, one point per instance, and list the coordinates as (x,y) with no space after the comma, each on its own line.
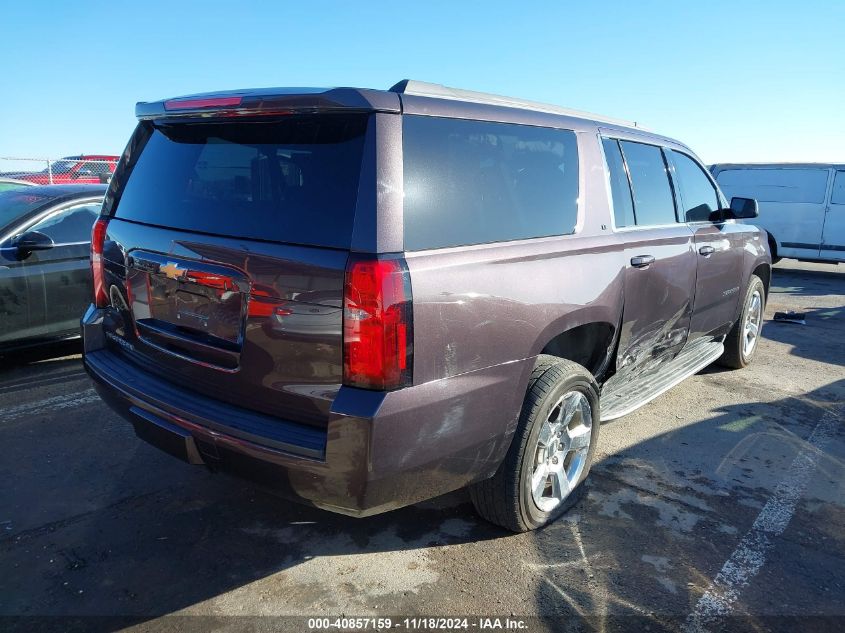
(368,298)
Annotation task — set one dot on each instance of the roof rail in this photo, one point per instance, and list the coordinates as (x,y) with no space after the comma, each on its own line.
(438,91)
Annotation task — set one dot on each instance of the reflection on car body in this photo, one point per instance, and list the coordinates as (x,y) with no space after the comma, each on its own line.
(309,314)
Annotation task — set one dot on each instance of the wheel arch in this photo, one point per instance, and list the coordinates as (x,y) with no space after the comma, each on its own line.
(764,272)
(590,344)
(773,246)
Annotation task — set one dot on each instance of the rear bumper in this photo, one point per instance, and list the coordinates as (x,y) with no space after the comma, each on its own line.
(379,451)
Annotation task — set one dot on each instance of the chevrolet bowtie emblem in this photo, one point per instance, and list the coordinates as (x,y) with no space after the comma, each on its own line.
(172,271)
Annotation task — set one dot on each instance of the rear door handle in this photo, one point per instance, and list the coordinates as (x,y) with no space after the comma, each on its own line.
(707,250)
(642,261)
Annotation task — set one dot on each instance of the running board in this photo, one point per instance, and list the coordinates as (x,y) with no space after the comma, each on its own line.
(621,396)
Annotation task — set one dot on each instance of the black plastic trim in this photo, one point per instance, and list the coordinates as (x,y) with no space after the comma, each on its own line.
(143,388)
(800,245)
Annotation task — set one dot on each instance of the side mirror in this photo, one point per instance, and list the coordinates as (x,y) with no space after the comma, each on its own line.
(744,208)
(32,241)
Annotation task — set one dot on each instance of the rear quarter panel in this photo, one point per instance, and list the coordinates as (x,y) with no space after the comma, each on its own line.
(481,315)
(483,306)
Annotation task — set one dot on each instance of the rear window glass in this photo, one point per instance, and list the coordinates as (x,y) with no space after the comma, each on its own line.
(294,180)
(775,185)
(473,182)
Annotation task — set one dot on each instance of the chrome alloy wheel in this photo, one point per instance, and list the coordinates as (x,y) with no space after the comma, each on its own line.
(562,448)
(753,319)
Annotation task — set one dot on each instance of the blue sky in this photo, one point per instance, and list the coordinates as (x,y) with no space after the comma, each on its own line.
(735,80)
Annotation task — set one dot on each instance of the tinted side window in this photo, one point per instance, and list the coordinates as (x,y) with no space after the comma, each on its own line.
(71,225)
(472,182)
(838,195)
(620,189)
(653,202)
(698,196)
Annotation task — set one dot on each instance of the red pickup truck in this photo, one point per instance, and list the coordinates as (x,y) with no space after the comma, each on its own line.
(87,168)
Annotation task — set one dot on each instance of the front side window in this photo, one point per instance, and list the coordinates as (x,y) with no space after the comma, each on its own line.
(653,201)
(699,201)
(474,182)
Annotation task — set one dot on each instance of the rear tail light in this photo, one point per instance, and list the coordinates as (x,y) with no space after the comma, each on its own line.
(377,324)
(98,238)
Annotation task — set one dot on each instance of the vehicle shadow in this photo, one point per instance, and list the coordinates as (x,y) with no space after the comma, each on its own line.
(823,309)
(662,516)
(130,534)
(814,340)
(115,532)
(10,361)
(795,278)
(124,533)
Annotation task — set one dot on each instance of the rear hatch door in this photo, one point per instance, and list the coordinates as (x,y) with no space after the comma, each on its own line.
(226,253)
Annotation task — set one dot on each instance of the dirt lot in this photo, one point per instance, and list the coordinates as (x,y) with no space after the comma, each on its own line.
(723,496)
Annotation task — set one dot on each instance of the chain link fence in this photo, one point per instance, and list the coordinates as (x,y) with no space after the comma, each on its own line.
(55,171)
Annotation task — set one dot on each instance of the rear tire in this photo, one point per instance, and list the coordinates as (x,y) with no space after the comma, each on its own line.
(742,341)
(551,453)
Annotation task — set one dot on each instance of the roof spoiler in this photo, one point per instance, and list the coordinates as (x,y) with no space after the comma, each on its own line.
(438,91)
(268,102)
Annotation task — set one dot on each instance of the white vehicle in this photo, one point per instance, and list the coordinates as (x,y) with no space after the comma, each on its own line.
(802,205)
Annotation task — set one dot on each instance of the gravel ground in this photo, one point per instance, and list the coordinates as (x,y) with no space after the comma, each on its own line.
(722,497)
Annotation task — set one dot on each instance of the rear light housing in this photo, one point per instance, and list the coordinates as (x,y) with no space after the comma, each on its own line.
(377,324)
(202,102)
(98,238)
